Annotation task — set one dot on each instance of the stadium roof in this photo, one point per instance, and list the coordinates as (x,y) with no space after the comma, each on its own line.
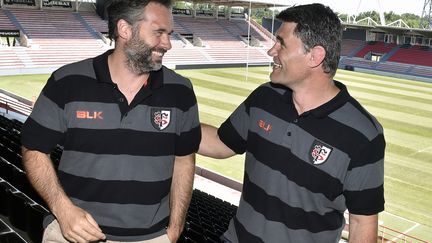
(405,31)
(245,3)
(391,29)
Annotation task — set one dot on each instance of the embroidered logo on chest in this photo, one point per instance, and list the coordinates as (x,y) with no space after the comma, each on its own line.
(160,118)
(264,126)
(97,115)
(319,152)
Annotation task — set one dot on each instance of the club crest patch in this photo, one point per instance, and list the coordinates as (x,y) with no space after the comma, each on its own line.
(319,152)
(160,118)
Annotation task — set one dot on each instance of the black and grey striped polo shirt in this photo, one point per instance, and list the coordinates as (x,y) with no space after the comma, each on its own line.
(118,158)
(303,172)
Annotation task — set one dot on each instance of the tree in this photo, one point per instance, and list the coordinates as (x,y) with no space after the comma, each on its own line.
(411,20)
(391,17)
(259,13)
(372,14)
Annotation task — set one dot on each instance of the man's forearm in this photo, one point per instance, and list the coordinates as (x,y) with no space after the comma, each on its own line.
(211,145)
(181,192)
(43,177)
(363,229)
(76,224)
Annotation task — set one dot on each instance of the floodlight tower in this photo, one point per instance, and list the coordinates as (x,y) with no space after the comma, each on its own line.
(426,18)
(380,12)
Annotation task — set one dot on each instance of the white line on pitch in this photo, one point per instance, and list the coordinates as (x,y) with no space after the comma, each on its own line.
(421,150)
(405,232)
(400,217)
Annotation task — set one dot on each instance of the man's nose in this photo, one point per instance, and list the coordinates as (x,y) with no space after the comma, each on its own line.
(166,42)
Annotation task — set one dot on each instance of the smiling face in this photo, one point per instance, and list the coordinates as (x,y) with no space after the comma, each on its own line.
(150,39)
(289,57)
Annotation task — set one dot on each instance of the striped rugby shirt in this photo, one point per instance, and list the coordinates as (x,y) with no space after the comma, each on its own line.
(118,159)
(303,172)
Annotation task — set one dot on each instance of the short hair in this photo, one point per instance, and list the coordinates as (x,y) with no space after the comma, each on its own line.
(129,10)
(317,25)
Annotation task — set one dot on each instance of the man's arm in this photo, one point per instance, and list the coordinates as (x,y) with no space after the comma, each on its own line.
(181,194)
(363,228)
(211,145)
(76,224)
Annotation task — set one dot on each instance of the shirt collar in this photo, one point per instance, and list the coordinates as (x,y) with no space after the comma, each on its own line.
(327,108)
(100,65)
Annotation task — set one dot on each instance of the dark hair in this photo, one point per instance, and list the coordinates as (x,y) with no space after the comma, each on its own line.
(317,25)
(129,10)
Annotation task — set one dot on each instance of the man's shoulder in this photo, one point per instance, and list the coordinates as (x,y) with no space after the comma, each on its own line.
(354,115)
(268,90)
(269,86)
(172,77)
(79,68)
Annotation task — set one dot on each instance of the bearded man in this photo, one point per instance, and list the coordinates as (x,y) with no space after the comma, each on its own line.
(129,129)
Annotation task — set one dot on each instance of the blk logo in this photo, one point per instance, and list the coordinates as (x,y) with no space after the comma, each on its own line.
(97,115)
(264,126)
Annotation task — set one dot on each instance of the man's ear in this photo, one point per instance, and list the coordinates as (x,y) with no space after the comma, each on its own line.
(317,55)
(124,29)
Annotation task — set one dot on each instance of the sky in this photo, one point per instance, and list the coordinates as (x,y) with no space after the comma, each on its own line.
(357,6)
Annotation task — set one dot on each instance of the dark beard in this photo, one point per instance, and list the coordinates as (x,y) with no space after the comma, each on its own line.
(139,56)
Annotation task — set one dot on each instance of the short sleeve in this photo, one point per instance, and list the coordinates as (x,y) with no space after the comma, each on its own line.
(46,125)
(234,131)
(188,130)
(364,183)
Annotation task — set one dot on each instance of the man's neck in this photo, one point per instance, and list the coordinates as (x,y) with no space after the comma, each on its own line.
(128,82)
(313,95)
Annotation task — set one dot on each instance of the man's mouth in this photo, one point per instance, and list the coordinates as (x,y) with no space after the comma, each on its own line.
(276,65)
(158,53)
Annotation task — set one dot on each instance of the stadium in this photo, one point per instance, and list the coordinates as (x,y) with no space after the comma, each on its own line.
(387,67)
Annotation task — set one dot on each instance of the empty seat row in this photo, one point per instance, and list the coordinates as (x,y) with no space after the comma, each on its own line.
(207,218)
(22,212)
(11,237)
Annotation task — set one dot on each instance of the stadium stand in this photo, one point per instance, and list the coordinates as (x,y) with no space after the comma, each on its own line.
(55,37)
(5,23)
(8,31)
(422,71)
(396,59)
(418,55)
(9,58)
(350,47)
(94,21)
(393,67)
(375,47)
(221,38)
(185,54)
(358,62)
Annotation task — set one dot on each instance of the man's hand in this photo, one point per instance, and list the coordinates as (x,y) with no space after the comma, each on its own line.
(77,225)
